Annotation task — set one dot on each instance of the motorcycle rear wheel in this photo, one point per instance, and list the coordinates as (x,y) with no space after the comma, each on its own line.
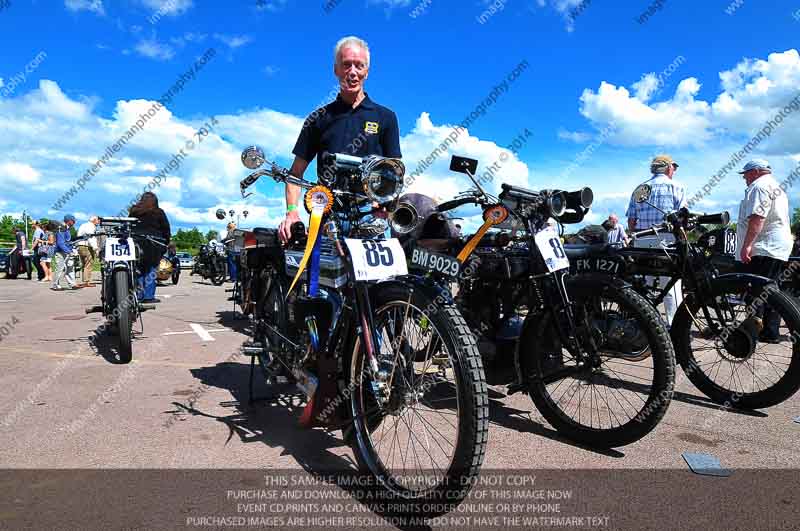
(423,405)
(704,356)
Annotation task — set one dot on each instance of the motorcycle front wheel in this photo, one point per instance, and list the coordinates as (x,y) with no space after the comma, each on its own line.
(218,273)
(424,440)
(124,317)
(616,396)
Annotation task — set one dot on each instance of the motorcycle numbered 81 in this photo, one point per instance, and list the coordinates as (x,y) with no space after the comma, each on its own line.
(381,354)
(592,354)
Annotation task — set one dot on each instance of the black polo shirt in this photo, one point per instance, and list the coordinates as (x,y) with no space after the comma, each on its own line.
(369,129)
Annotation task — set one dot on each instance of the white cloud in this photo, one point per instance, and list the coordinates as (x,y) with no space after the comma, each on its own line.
(233,41)
(271,5)
(752,92)
(574,136)
(168,7)
(19,172)
(95,6)
(563,8)
(154,49)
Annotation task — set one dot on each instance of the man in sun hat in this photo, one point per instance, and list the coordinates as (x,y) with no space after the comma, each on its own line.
(763,232)
(667,195)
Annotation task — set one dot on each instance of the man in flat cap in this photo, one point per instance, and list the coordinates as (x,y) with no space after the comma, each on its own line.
(763,232)
(667,195)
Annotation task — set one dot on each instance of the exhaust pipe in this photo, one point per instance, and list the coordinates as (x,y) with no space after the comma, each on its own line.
(404,218)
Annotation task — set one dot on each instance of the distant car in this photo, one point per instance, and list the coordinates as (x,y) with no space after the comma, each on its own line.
(4,251)
(186,260)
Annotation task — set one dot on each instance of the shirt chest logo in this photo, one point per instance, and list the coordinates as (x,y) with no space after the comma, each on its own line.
(371,128)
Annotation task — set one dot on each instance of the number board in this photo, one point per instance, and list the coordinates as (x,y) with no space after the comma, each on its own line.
(119,249)
(377,259)
(438,263)
(549,245)
(730,242)
(603,265)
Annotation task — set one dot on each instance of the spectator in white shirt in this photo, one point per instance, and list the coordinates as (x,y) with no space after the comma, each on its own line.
(87,249)
(763,232)
(616,233)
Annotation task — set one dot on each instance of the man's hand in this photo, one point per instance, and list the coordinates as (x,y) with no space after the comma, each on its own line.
(285,228)
(747,253)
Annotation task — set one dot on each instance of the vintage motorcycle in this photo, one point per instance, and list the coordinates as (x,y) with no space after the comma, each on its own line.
(717,329)
(169,268)
(381,354)
(592,354)
(210,263)
(120,272)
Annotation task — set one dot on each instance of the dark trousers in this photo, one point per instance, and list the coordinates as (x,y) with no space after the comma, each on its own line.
(233,258)
(37,264)
(765,266)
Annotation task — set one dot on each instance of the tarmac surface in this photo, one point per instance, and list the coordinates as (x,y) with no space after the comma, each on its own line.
(182,403)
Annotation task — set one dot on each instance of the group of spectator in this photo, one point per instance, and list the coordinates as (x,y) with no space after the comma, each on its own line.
(51,250)
(51,253)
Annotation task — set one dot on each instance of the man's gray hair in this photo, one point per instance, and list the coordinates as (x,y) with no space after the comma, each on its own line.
(349,41)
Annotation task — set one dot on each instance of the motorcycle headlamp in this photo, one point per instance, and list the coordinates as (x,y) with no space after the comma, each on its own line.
(557,203)
(382,178)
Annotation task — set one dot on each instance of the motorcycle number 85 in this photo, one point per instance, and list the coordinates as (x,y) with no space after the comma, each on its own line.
(377,259)
(553,254)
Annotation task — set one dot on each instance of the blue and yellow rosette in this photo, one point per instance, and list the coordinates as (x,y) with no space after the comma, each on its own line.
(318,202)
(494,215)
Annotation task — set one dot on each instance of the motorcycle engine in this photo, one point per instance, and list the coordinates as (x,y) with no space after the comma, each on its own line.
(622,336)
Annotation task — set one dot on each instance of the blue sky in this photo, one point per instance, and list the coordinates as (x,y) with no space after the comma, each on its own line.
(692,80)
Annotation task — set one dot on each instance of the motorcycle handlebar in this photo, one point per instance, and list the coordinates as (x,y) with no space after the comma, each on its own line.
(723,218)
(517,192)
(454,203)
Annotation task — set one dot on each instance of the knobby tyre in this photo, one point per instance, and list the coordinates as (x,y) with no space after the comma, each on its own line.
(425,446)
(124,319)
(735,368)
(622,394)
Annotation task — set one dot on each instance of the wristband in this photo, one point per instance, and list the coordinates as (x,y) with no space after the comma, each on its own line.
(291,208)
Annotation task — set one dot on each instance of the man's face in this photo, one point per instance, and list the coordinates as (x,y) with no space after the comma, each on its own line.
(351,69)
(70,223)
(612,221)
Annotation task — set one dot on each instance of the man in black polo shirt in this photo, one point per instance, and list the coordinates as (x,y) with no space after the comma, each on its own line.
(352,124)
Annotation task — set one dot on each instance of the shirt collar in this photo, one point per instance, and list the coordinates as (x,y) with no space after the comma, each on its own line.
(366,103)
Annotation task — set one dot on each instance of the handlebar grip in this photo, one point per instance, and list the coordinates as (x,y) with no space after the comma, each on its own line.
(248,181)
(723,218)
(652,231)
(454,203)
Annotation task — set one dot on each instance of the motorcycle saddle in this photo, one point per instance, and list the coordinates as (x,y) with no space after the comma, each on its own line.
(579,250)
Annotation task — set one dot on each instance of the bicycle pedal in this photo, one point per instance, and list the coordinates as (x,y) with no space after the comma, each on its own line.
(145,307)
(94,309)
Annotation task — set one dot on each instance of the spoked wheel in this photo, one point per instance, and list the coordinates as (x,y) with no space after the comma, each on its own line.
(271,310)
(219,273)
(421,425)
(615,395)
(730,359)
(124,317)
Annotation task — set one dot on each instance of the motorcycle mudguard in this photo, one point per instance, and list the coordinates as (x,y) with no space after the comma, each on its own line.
(428,286)
(729,281)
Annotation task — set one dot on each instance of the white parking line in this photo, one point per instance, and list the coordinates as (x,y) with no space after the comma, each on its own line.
(8,300)
(202,332)
(205,334)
